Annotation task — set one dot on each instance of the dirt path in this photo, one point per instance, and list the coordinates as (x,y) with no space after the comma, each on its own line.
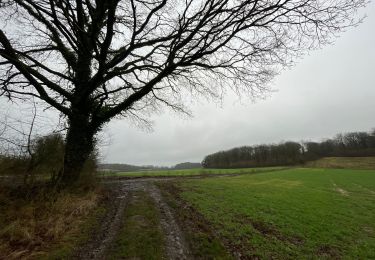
(176,247)
(110,225)
(122,189)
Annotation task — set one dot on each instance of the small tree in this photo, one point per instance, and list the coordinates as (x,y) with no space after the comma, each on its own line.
(94,60)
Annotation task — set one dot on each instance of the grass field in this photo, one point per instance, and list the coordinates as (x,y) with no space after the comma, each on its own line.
(190,172)
(289,214)
(344,163)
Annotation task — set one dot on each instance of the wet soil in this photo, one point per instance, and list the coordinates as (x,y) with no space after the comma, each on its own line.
(121,190)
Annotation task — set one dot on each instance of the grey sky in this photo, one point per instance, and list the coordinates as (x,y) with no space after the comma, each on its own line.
(329,91)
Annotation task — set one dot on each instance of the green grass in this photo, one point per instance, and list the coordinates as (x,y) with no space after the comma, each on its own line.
(202,240)
(344,162)
(293,214)
(141,236)
(190,172)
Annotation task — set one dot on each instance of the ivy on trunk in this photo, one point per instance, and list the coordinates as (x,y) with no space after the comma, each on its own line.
(78,148)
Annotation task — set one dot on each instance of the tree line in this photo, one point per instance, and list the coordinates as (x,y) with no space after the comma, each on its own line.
(291,153)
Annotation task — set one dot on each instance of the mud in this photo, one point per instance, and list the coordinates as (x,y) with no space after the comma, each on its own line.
(96,248)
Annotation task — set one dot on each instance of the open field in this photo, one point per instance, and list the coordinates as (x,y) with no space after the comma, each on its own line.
(189,172)
(344,163)
(290,214)
(262,213)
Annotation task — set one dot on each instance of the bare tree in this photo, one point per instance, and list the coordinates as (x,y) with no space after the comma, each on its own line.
(16,132)
(94,60)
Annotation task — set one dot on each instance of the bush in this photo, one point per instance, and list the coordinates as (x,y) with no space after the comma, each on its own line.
(13,165)
(48,154)
(44,161)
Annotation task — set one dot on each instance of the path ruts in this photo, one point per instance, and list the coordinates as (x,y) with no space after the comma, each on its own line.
(175,246)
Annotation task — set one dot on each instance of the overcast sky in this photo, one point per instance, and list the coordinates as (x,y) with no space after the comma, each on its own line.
(329,91)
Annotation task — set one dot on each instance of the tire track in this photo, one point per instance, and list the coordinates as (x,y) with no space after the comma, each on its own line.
(176,246)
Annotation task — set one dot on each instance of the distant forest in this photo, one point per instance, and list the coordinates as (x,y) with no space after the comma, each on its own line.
(354,144)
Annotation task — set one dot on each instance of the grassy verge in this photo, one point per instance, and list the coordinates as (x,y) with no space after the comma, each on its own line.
(202,239)
(344,163)
(141,236)
(190,172)
(291,214)
(47,226)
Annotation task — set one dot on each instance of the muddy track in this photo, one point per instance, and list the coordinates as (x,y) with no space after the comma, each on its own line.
(109,226)
(176,246)
(122,188)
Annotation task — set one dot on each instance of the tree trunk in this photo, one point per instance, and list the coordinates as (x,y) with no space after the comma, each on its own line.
(78,148)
